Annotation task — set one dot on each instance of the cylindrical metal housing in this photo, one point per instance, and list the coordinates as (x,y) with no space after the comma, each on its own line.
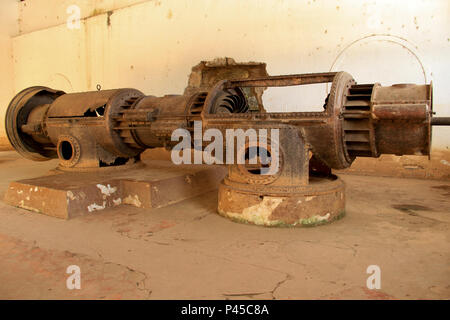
(358,120)
(401,115)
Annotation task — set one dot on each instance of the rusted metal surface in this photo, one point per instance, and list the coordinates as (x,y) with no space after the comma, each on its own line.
(402,119)
(440,121)
(32,143)
(112,127)
(283,80)
(115,125)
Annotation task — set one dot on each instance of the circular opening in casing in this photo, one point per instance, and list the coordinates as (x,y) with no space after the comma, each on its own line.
(68,150)
(262,159)
(65,150)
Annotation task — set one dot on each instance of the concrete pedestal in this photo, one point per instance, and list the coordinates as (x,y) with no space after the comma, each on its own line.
(151,184)
(322,201)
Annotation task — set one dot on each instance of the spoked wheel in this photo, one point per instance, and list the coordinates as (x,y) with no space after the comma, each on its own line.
(17,114)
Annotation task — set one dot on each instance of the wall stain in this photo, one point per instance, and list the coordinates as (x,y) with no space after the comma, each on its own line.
(95,12)
(108,18)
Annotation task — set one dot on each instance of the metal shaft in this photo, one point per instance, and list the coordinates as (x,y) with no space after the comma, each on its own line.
(440,121)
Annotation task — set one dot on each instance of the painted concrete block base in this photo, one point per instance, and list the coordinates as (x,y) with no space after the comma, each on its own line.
(152,184)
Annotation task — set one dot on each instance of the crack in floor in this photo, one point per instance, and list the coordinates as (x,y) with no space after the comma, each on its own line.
(278,285)
(144,288)
(143,274)
(253,294)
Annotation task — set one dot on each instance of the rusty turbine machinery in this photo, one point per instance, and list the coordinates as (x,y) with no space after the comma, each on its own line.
(112,127)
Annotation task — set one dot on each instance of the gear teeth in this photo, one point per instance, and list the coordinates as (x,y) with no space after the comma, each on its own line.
(196,106)
(357,120)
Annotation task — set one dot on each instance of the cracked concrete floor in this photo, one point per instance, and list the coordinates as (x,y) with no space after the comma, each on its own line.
(187,251)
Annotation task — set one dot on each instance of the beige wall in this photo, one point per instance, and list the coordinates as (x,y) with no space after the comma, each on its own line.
(151,45)
(9,27)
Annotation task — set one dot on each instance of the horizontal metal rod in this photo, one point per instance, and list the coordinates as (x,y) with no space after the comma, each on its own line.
(283,81)
(440,121)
